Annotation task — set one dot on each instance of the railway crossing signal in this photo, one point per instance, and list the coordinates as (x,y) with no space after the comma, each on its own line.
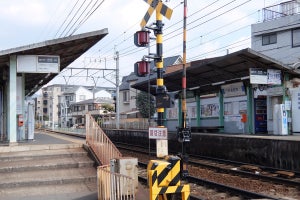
(160,7)
(163,98)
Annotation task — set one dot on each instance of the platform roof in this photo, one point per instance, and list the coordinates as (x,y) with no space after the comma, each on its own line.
(68,48)
(206,75)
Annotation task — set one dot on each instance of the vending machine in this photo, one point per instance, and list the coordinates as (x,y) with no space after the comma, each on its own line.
(260,115)
(280,122)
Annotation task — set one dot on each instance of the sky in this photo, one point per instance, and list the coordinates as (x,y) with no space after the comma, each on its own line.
(214,28)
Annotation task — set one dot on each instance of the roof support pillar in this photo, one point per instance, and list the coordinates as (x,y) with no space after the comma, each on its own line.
(221,109)
(11,103)
(250,128)
(198,110)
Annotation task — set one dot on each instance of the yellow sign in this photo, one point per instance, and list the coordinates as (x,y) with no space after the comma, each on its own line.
(156,4)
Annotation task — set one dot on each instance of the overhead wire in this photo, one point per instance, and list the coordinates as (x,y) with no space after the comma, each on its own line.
(66,19)
(168,38)
(69,23)
(173,36)
(87,16)
(67,33)
(195,57)
(52,20)
(179,29)
(126,39)
(214,30)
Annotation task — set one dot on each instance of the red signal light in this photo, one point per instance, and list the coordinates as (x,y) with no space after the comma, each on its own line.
(142,38)
(142,68)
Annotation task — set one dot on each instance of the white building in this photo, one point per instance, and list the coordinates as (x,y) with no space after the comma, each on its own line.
(53,107)
(278,35)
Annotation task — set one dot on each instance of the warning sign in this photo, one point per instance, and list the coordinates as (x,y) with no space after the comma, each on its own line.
(158,133)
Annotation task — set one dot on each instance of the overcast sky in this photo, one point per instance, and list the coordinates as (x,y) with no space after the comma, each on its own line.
(213,28)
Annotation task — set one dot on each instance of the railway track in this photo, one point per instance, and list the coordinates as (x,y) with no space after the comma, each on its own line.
(203,189)
(228,181)
(285,184)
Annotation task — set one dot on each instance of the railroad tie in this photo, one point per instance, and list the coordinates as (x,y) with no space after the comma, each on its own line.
(285,174)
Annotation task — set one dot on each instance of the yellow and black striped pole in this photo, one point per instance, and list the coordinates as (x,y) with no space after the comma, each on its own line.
(185,132)
(159,65)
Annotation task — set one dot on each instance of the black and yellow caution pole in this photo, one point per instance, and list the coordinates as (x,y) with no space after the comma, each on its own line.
(159,65)
(184,170)
(163,176)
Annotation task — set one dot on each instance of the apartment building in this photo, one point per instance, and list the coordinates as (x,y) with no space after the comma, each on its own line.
(56,100)
(278,35)
(99,107)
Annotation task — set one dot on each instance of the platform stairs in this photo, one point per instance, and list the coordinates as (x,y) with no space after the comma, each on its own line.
(113,183)
(57,172)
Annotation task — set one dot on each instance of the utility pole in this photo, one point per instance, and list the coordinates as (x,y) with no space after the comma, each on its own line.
(184,131)
(117,91)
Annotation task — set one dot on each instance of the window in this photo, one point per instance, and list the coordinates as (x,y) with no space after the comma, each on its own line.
(82,97)
(126,96)
(69,98)
(269,39)
(296,37)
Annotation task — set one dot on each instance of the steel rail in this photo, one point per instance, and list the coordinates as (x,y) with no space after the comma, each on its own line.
(248,174)
(278,180)
(235,191)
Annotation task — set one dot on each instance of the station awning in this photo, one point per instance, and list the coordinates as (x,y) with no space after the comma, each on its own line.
(207,75)
(68,48)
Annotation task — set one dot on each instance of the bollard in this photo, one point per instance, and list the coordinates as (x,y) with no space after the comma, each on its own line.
(164,178)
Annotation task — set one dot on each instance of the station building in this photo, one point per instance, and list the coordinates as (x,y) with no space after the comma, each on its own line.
(236,93)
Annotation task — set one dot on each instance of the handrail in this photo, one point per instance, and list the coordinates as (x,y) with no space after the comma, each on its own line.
(114,186)
(102,146)
(134,124)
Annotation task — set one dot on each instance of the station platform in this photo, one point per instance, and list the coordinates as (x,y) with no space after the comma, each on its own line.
(48,141)
(277,151)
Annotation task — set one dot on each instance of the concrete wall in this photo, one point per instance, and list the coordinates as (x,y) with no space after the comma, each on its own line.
(257,150)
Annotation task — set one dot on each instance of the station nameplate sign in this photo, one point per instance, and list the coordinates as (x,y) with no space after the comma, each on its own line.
(258,76)
(265,76)
(38,64)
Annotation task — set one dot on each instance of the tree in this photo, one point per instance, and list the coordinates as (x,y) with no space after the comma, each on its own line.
(108,108)
(143,104)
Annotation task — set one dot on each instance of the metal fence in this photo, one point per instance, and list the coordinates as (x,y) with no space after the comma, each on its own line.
(280,10)
(111,186)
(134,123)
(104,149)
(114,186)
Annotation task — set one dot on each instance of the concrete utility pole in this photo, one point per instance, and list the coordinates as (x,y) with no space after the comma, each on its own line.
(117,91)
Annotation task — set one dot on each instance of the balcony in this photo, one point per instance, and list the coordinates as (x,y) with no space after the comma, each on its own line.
(281,10)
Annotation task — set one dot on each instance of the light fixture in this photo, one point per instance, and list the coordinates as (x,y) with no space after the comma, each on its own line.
(194,88)
(218,83)
(245,77)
